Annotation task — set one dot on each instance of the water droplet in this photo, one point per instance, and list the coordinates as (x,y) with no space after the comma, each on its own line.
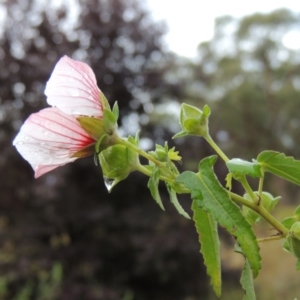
(109,183)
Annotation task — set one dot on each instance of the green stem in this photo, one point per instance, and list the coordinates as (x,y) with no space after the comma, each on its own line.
(216,147)
(260,186)
(247,188)
(240,200)
(270,238)
(144,154)
(271,220)
(148,173)
(260,210)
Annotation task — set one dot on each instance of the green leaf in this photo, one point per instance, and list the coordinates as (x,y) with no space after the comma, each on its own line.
(207,229)
(244,167)
(213,198)
(153,186)
(283,166)
(175,202)
(247,282)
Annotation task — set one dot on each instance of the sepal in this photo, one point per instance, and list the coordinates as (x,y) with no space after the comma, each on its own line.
(94,127)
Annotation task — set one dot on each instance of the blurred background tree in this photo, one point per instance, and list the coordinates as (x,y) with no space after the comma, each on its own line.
(63,236)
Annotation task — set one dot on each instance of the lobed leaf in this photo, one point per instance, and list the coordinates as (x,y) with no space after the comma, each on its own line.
(213,198)
(247,282)
(278,164)
(207,229)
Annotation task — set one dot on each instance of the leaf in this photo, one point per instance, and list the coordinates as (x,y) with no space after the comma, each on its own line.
(247,282)
(244,167)
(283,166)
(207,229)
(175,202)
(153,186)
(213,198)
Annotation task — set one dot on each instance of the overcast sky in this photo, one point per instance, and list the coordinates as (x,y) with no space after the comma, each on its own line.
(182,15)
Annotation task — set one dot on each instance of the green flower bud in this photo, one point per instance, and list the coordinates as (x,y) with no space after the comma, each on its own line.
(117,162)
(267,200)
(193,121)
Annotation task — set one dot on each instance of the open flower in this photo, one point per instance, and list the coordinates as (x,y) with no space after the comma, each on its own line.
(53,136)
(72,88)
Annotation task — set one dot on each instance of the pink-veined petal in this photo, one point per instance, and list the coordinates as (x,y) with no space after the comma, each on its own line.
(73,88)
(49,138)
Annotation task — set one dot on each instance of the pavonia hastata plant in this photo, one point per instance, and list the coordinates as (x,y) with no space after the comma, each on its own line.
(80,122)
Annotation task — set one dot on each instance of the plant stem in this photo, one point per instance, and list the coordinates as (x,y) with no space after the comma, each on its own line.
(147,172)
(216,147)
(240,200)
(260,186)
(270,238)
(260,210)
(247,188)
(144,154)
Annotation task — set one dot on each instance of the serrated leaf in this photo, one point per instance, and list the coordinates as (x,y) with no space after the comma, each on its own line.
(153,186)
(283,166)
(213,198)
(175,202)
(207,229)
(244,167)
(247,282)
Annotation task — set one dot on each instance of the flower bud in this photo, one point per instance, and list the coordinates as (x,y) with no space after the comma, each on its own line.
(193,121)
(117,162)
(268,202)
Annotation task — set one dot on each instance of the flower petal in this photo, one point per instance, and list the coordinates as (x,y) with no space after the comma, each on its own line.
(73,88)
(49,138)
